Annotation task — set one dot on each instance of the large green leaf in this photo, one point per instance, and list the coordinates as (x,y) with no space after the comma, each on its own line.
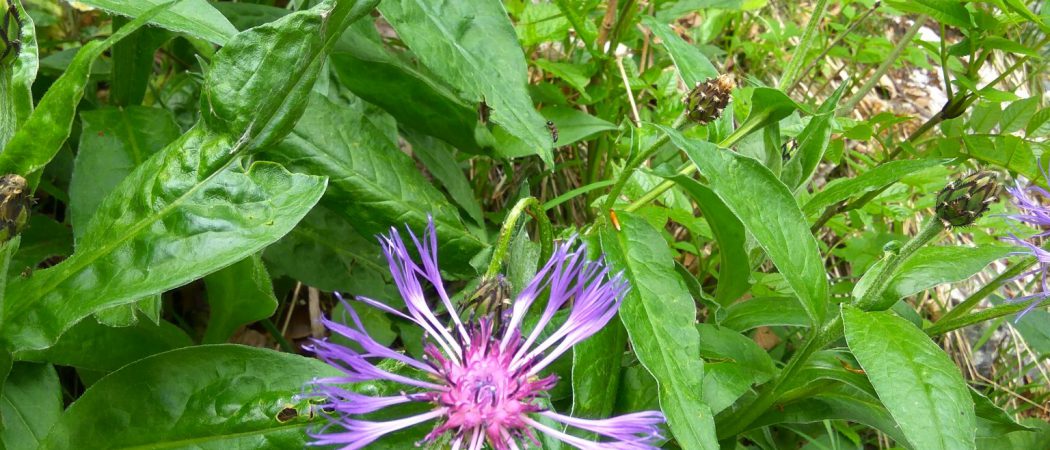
(16,79)
(30,405)
(692,65)
(919,384)
(659,314)
(196,206)
(768,210)
(842,403)
(765,311)
(734,269)
(948,12)
(472,45)
(45,130)
(373,183)
(196,18)
(596,364)
(932,266)
(113,142)
(92,346)
(237,295)
(416,97)
(876,178)
(734,363)
(215,396)
(813,141)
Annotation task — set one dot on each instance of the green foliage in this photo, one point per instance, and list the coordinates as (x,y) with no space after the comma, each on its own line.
(768,177)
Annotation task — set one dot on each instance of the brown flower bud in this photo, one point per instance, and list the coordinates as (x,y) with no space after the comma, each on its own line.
(14,205)
(707,100)
(962,202)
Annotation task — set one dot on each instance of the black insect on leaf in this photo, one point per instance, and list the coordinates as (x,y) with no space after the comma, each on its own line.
(484,112)
(963,201)
(553,129)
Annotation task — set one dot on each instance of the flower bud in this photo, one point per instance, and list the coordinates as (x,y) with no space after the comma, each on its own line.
(707,100)
(961,202)
(14,205)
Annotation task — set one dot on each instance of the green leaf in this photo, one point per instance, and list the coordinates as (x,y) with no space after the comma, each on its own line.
(376,185)
(42,238)
(133,64)
(765,311)
(577,76)
(948,12)
(769,212)
(692,65)
(201,193)
(30,405)
(113,142)
(472,45)
(881,176)
(734,269)
(1017,114)
(1039,124)
(92,346)
(766,106)
(237,295)
(919,384)
(7,250)
(16,80)
(596,364)
(45,130)
(308,254)
(933,266)
(841,403)
(439,159)
(814,139)
(416,97)
(575,125)
(733,363)
(659,314)
(1006,151)
(196,18)
(217,396)
(577,14)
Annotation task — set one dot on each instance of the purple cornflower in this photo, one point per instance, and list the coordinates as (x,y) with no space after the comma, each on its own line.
(1031,200)
(482,376)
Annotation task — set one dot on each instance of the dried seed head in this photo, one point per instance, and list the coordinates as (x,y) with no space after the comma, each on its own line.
(963,201)
(15,199)
(707,100)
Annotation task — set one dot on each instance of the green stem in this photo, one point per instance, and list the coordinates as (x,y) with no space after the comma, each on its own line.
(791,74)
(680,123)
(873,296)
(741,419)
(905,41)
(943,326)
(507,231)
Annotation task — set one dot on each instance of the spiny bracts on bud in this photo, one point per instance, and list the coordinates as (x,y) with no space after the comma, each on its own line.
(14,205)
(707,100)
(963,201)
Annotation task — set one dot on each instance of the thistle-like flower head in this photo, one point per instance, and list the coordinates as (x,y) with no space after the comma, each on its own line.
(962,202)
(706,100)
(481,377)
(1033,208)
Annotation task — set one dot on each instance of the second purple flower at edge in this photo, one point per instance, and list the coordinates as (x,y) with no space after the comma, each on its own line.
(482,376)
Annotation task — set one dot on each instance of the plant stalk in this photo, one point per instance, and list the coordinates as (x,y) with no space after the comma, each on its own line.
(873,296)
